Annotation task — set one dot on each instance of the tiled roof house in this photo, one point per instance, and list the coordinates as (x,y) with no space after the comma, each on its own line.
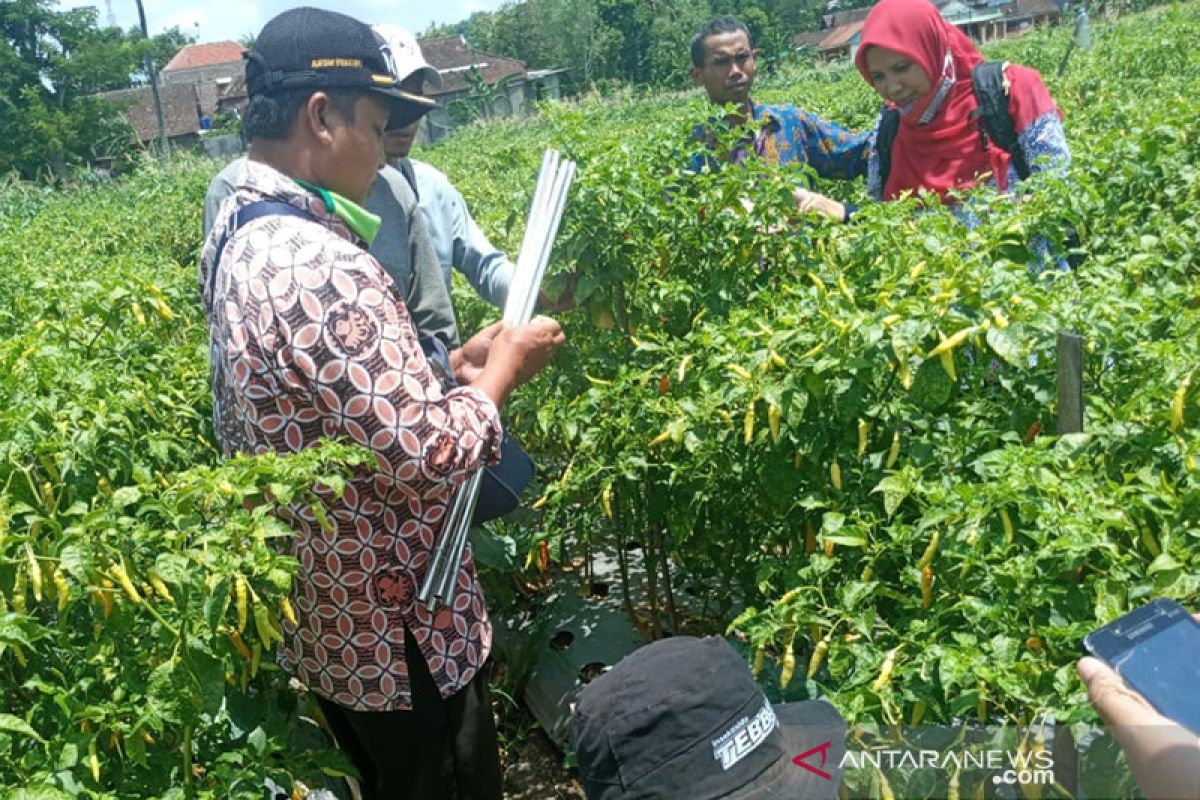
(199,56)
(982,20)
(841,41)
(514,87)
(181,114)
(213,67)
(454,59)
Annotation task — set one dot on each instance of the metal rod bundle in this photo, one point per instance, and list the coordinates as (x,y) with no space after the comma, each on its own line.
(545,214)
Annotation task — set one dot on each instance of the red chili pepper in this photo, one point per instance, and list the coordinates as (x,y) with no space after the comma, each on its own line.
(663,384)
(543,555)
(1033,431)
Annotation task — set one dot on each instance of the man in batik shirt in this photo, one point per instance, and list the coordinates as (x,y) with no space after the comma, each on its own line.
(724,64)
(309,339)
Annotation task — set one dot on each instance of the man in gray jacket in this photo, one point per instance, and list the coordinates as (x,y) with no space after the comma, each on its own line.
(458,240)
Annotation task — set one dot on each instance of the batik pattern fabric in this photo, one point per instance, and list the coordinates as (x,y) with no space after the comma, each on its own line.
(790,135)
(309,340)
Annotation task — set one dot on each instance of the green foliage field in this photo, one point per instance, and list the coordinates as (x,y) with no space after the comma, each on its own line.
(108,467)
(720,364)
(699,322)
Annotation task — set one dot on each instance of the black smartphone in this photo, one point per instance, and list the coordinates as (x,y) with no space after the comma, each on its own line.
(1156,649)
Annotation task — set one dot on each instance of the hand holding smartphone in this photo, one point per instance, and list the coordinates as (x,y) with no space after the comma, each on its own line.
(1142,681)
(1156,649)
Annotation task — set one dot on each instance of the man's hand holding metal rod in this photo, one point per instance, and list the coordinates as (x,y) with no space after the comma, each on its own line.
(502,356)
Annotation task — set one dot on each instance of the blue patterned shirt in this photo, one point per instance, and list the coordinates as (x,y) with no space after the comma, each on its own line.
(788,135)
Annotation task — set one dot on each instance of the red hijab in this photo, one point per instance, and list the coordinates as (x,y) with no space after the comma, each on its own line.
(945,153)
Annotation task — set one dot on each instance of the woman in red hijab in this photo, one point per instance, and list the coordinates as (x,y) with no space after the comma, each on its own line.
(921,66)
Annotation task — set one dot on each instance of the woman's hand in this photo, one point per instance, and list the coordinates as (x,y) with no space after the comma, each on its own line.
(812,201)
(1164,756)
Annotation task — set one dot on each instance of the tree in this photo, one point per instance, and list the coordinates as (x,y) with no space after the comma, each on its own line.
(639,41)
(671,31)
(586,46)
(521,30)
(464,28)
(52,63)
(52,66)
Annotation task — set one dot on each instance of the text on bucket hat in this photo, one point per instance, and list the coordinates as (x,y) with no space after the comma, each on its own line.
(683,718)
(310,48)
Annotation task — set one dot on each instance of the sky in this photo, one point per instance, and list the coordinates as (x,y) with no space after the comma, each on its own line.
(218,20)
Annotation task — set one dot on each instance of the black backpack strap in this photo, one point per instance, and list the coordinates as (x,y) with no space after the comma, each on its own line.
(995,123)
(437,353)
(253,211)
(885,138)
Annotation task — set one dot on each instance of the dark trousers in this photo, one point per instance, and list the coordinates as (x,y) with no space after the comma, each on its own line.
(440,750)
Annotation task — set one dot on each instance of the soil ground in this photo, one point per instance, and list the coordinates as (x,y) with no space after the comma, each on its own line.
(533,768)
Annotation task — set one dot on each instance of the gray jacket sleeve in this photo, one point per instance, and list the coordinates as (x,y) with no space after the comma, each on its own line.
(429,301)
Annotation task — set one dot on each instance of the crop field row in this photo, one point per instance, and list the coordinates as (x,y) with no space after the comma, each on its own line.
(846,434)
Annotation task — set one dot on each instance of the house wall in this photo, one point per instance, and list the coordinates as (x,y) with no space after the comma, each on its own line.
(547,88)
(203,75)
(187,141)
(836,53)
(1016,27)
(235,104)
(516,100)
(207,96)
(227,147)
(437,125)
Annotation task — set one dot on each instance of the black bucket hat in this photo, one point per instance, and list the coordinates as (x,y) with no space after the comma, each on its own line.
(310,48)
(683,718)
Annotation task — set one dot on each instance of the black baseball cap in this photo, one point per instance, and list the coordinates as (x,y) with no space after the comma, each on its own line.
(683,718)
(310,48)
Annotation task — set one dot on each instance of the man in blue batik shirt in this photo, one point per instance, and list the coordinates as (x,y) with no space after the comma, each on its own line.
(723,63)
